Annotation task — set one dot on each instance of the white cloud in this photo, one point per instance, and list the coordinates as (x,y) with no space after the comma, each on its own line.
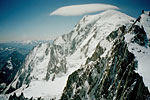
(76,10)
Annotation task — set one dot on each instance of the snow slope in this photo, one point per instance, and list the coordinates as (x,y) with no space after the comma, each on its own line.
(47,67)
(109,74)
(142,53)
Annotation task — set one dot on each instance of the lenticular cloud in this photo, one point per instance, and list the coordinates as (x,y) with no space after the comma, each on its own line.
(76,10)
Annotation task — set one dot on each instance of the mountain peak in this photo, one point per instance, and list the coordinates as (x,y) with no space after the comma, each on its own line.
(145,22)
(95,49)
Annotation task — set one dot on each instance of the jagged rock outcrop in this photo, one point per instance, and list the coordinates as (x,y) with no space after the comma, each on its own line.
(96,57)
(112,77)
(10,68)
(140,37)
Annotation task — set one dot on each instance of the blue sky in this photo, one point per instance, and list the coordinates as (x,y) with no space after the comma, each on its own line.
(30,19)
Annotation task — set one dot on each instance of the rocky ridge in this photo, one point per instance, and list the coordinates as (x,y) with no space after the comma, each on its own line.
(96,58)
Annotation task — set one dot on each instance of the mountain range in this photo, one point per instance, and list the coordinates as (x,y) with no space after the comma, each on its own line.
(105,57)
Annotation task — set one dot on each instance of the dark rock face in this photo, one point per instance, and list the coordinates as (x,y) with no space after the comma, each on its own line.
(98,52)
(9,70)
(108,78)
(22,97)
(140,35)
(114,34)
(15,97)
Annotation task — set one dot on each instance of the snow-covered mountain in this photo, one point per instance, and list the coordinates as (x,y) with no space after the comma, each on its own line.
(115,76)
(102,58)
(12,63)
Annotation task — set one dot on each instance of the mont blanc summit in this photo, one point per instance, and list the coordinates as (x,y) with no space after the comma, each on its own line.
(105,57)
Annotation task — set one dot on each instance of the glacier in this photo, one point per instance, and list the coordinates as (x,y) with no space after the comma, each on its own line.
(46,69)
